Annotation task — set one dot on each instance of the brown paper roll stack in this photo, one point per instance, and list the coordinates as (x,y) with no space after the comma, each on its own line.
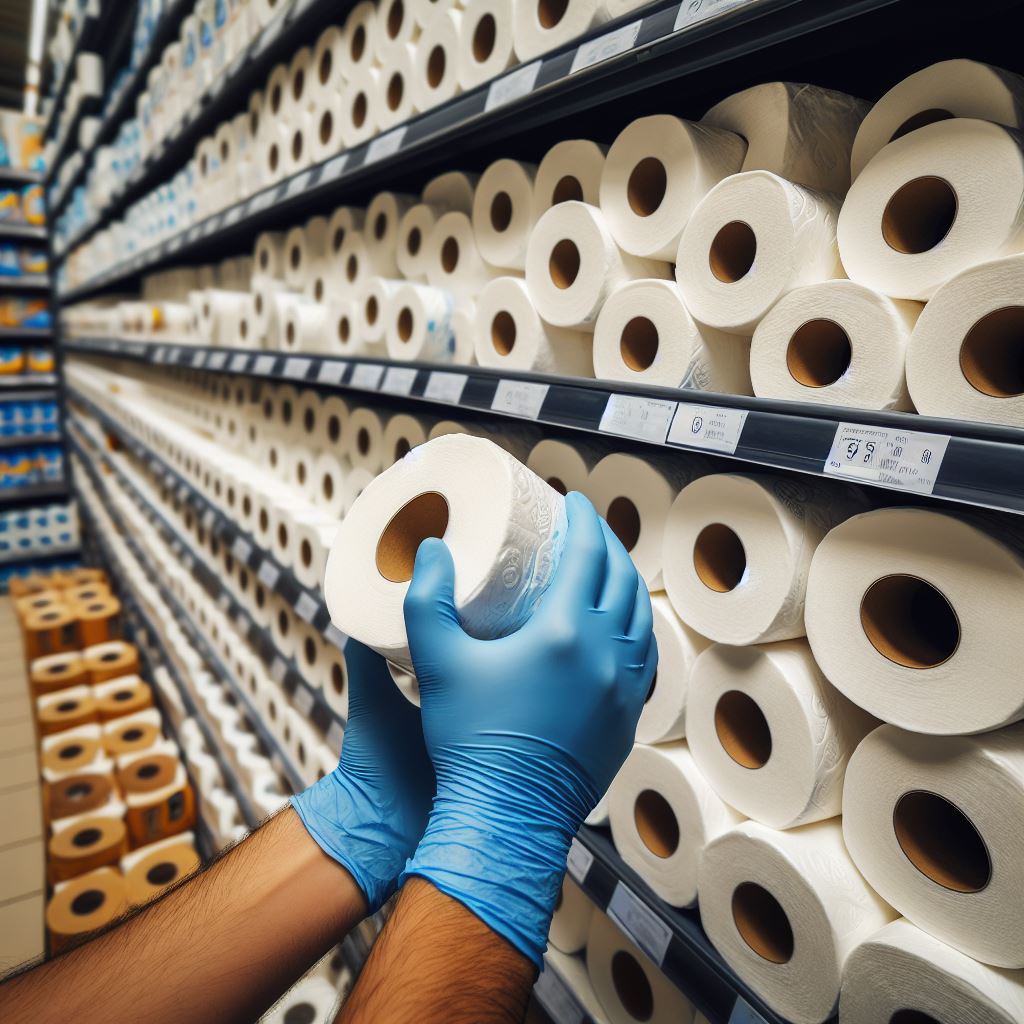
(83,905)
(71,754)
(119,697)
(130,738)
(159,870)
(99,620)
(58,672)
(86,593)
(53,630)
(22,586)
(89,844)
(111,660)
(148,774)
(160,800)
(66,710)
(78,794)
(85,574)
(38,601)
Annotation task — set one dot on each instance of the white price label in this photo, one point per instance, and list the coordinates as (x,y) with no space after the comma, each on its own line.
(578,862)
(902,459)
(519,398)
(278,669)
(367,375)
(198,358)
(268,574)
(512,86)
(693,12)
(331,372)
(296,368)
(335,735)
(445,387)
(209,517)
(262,201)
(264,364)
(385,145)
(238,362)
(611,44)
(302,699)
(713,428)
(305,607)
(639,922)
(298,184)
(333,635)
(553,994)
(398,380)
(646,419)
(216,360)
(234,215)
(334,168)
(241,549)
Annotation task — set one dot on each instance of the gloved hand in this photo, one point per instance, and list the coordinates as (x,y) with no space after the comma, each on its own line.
(369,813)
(526,731)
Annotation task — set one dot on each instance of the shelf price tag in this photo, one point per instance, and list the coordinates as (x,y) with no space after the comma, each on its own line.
(639,922)
(331,371)
(646,419)
(335,735)
(385,145)
(333,635)
(693,12)
(264,364)
(398,380)
(296,368)
(578,862)
(238,362)
(303,701)
(604,47)
(367,376)
(216,360)
(712,428)
(902,459)
(334,168)
(553,994)
(445,387)
(512,86)
(305,607)
(298,184)
(268,574)
(278,669)
(519,398)
(241,549)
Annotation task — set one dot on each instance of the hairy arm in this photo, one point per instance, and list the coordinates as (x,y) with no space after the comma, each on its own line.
(438,963)
(220,947)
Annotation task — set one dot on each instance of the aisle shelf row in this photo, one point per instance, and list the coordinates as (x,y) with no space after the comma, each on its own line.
(22,232)
(41,556)
(18,496)
(974,463)
(28,440)
(25,283)
(17,381)
(18,176)
(37,334)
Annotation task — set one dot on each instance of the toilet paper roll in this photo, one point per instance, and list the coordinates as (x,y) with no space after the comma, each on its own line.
(148,773)
(329,484)
(645,334)
(570,171)
(51,631)
(951,88)
(361,28)
(327,129)
(355,266)
(333,428)
(110,660)
(657,171)
(905,614)
(452,190)
(411,245)
(635,495)
(503,213)
(356,481)
(785,910)
(88,844)
(402,433)
(311,999)
(395,99)
(343,220)
(269,256)
(158,870)
(539,27)
(508,333)
(132,733)
(628,985)
(70,754)
(396,28)
(78,794)
(930,822)
(84,905)
(329,67)
(663,813)
(342,334)
(919,214)
(738,551)
(309,423)
(430,495)
(360,103)
(305,327)
(453,261)
(752,239)
(57,672)
(778,118)
(419,324)
(902,970)
(570,922)
(563,465)
(366,429)
(297,259)
(486,43)
(381,231)
(664,713)
(436,60)
(300,97)
(964,355)
(334,681)
(573,264)
(770,733)
(263,310)
(836,343)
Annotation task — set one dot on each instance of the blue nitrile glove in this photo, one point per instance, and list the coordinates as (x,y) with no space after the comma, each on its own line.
(369,813)
(527,731)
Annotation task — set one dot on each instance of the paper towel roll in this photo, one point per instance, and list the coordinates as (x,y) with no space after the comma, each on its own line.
(396,27)
(634,495)
(509,334)
(738,551)
(395,99)
(84,905)
(436,62)
(903,974)
(770,733)
(628,985)
(383,217)
(158,870)
(573,264)
(452,190)
(785,910)
(664,713)
(312,999)
(837,343)
(657,170)
(931,824)
(452,260)
(571,920)
(570,171)
(431,495)
(88,844)
(920,213)
(419,324)
(71,753)
(503,213)
(951,88)
(906,611)
(801,132)
(563,465)
(359,105)
(329,65)
(361,34)
(402,433)
(486,44)
(964,357)
(645,334)
(663,813)
(57,672)
(752,239)
(66,709)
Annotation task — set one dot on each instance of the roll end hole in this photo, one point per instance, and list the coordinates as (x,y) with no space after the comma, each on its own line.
(624,519)
(638,344)
(819,353)
(631,986)
(732,252)
(909,621)
(501,211)
(567,190)
(484,36)
(656,823)
(992,353)
(503,332)
(564,264)
(424,516)
(719,558)
(762,923)
(743,730)
(646,187)
(437,63)
(919,215)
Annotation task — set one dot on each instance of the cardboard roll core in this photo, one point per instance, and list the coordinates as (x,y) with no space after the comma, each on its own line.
(111,660)
(564,264)
(131,738)
(134,695)
(656,823)
(78,794)
(719,558)
(743,730)
(624,519)
(424,516)
(160,870)
(70,754)
(58,672)
(909,622)
(638,343)
(148,774)
(567,190)
(85,904)
(646,187)
(819,353)
(762,923)
(632,986)
(992,353)
(732,252)
(485,35)
(85,846)
(919,215)
(66,713)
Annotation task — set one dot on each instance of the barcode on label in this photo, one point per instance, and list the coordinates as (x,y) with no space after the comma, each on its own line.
(445,387)
(398,380)
(901,459)
(296,368)
(709,427)
(264,364)
(367,375)
(305,607)
(333,635)
(611,44)
(331,372)
(639,922)
(553,994)
(303,700)
(519,398)
(238,362)
(646,419)
(268,574)
(512,86)
(578,862)
(241,549)
(385,145)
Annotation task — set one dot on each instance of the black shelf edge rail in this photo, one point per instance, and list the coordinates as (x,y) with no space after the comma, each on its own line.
(25,283)
(29,395)
(23,232)
(42,556)
(974,463)
(22,382)
(18,176)
(17,497)
(26,334)
(28,441)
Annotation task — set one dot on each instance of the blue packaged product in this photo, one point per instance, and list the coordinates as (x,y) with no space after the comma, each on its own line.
(10,264)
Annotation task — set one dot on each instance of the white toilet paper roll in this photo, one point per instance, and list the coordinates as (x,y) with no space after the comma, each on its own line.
(628,985)
(570,171)
(334,683)
(419,324)
(837,343)
(951,88)
(396,27)
(778,118)
(311,999)
(343,334)
(431,495)
(436,63)
(664,714)
(327,123)
(300,96)
(663,813)
(570,922)
(573,264)
(373,308)
(452,190)
(964,357)
(361,27)
(453,261)
(343,220)
(657,170)
(564,465)
(366,430)
(353,267)
(785,910)
(305,327)
(507,332)
(333,428)
(932,824)
(486,44)
(357,480)
(411,248)
(329,70)
(297,259)
(397,70)
(312,532)
(752,239)
(906,611)
(635,495)
(901,972)
(645,334)
(402,433)
(920,213)
(283,306)
(738,551)
(770,733)
(269,256)
(360,103)
(503,213)
(383,217)
(540,26)
(329,483)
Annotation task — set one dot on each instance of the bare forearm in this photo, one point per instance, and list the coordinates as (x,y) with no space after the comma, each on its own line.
(221,947)
(437,963)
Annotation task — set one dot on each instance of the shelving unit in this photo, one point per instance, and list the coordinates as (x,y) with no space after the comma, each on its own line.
(22,232)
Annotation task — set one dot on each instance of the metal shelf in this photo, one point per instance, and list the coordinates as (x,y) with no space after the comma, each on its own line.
(29,440)
(25,283)
(19,381)
(25,395)
(41,556)
(18,176)
(20,496)
(22,232)
(26,334)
